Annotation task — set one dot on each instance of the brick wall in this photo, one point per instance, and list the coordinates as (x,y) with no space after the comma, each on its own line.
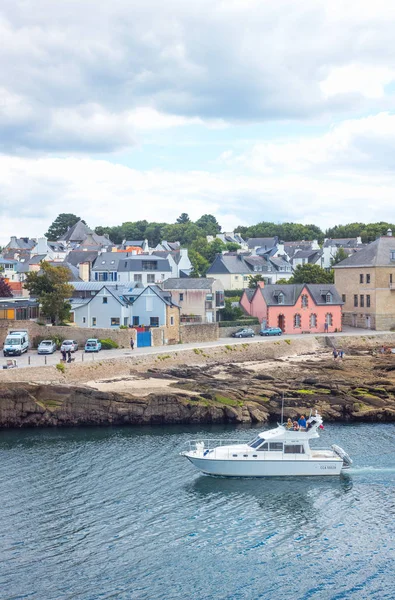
(79,334)
(198,332)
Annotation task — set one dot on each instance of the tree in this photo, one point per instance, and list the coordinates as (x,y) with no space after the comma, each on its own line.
(199,264)
(231,313)
(253,281)
(50,285)
(232,246)
(61,225)
(5,290)
(311,274)
(183,218)
(340,255)
(209,224)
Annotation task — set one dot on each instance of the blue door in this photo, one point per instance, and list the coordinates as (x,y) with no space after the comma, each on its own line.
(143,339)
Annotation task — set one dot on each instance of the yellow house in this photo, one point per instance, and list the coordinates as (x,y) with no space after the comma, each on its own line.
(366,282)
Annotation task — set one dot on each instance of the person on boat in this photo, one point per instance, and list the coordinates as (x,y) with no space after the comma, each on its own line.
(289,424)
(295,426)
(302,423)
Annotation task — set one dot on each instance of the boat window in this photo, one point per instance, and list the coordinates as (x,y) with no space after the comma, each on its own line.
(293,449)
(276,447)
(264,447)
(234,454)
(255,456)
(256,442)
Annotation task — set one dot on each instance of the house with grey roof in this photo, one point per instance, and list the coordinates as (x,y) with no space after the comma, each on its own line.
(331,246)
(234,270)
(76,234)
(18,248)
(124,267)
(308,257)
(366,281)
(200,298)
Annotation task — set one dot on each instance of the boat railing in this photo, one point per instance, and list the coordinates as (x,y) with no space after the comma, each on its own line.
(211,443)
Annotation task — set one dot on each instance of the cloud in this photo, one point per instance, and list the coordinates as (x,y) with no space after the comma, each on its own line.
(183,63)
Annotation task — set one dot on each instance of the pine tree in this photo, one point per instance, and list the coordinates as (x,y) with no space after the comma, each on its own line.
(5,290)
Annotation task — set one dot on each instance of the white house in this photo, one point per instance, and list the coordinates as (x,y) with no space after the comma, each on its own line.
(124,268)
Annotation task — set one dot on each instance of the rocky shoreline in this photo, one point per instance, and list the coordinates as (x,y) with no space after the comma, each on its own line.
(360,388)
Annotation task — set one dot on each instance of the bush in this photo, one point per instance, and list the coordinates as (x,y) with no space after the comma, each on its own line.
(108,344)
(60,367)
(240,322)
(123,327)
(233,293)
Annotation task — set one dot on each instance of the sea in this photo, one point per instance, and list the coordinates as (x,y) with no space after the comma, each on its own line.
(100,513)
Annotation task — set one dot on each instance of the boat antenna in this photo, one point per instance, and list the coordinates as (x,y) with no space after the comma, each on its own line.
(282,409)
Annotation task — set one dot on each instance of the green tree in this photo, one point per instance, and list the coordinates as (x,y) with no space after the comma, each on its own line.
(61,225)
(199,264)
(5,290)
(209,224)
(340,255)
(253,281)
(232,246)
(183,218)
(311,274)
(231,313)
(50,285)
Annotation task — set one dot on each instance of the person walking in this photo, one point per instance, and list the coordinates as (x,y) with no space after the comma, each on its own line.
(132,343)
(326,327)
(68,356)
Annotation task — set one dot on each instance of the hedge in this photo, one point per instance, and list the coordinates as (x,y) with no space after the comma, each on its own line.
(231,293)
(108,344)
(239,322)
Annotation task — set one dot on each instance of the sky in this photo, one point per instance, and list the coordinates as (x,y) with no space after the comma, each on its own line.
(247,109)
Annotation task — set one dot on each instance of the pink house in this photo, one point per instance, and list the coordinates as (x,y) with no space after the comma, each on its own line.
(295,308)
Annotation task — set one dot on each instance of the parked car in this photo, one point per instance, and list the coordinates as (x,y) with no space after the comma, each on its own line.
(46,347)
(245,332)
(69,345)
(271,331)
(92,345)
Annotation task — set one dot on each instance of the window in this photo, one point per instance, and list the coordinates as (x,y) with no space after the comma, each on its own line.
(154,321)
(390,277)
(329,319)
(343,297)
(392,254)
(209,297)
(264,447)
(355,299)
(136,321)
(280,298)
(84,319)
(368,278)
(276,447)
(305,301)
(150,278)
(361,278)
(313,320)
(368,301)
(138,278)
(125,321)
(328,298)
(297,321)
(361,301)
(236,277)
(93,321)
(256,442)
(293,449)
(105,299)
(181,297)
(115,321)
(171,320)
(150,265)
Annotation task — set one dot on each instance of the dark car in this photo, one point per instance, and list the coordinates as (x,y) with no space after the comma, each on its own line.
(245,332)
(271,331)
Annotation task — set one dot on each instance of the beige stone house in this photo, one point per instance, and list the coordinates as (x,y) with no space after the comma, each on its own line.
(200,298)
(366,282)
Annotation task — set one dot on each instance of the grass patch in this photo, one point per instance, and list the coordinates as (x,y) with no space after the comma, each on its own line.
(306,392)
(288,342)
(198,351)
(227,401)
(229,348)
(164,356)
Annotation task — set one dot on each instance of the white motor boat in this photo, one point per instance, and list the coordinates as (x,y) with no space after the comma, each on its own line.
(278,452)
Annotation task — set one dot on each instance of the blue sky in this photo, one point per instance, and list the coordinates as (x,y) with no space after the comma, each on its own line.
(246,109)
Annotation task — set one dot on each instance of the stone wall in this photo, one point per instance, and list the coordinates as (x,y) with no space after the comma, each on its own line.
(198,332)
(225,332)
(79,334)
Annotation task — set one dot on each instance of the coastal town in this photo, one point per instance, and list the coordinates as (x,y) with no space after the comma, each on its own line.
(152,294)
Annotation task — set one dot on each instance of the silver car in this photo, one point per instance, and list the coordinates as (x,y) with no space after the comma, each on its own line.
(69,345)
(46,347)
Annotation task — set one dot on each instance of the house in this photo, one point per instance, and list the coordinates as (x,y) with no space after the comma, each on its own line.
(124,268)
(228,237)
(266,243)
(16,309)
(142,244)
(104,309)
(18,248)
(307,257)
(54,251)
(83,261)
(296,308)
(154,307)
(331,247)
(234,270)
(291,248)
(200,299)
(178,260)
(366,281)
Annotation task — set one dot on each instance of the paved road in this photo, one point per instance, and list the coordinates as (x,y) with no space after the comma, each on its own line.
(32,359)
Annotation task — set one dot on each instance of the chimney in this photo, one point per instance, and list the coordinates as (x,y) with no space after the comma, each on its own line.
(261,284)
(389,232)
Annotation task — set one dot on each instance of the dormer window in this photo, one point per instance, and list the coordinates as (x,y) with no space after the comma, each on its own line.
(328,298)
(305,301)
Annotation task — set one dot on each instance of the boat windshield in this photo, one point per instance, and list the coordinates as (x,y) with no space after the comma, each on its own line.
(256,442)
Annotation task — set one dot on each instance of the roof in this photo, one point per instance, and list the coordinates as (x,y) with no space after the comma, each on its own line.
(343,242)
(163,295)
(8,261)
(137,243)
(376,254)
(92,286)
(8,303)
(21,243)
(291,293)
(265,242)
(94,240)
(124,262)
(76,233)
(249,293)
(83,301)
(229,264)
(191,283)
(311,255)
(36,259)
(76,257)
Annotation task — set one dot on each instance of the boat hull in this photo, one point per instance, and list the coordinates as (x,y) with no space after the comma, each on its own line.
(267,468)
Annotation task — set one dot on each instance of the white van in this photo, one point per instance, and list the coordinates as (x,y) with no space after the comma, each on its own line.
(16,343)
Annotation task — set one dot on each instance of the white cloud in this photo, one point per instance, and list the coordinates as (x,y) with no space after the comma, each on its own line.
(369,81)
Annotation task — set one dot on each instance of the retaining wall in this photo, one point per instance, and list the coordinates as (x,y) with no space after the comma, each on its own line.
(198,332)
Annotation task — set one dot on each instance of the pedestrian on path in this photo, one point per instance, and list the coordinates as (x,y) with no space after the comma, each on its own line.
(335,354)
(326,328)
(132,343)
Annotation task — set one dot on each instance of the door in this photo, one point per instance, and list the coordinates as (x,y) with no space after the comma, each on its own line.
(281,322)
(367,321)
(143,339)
